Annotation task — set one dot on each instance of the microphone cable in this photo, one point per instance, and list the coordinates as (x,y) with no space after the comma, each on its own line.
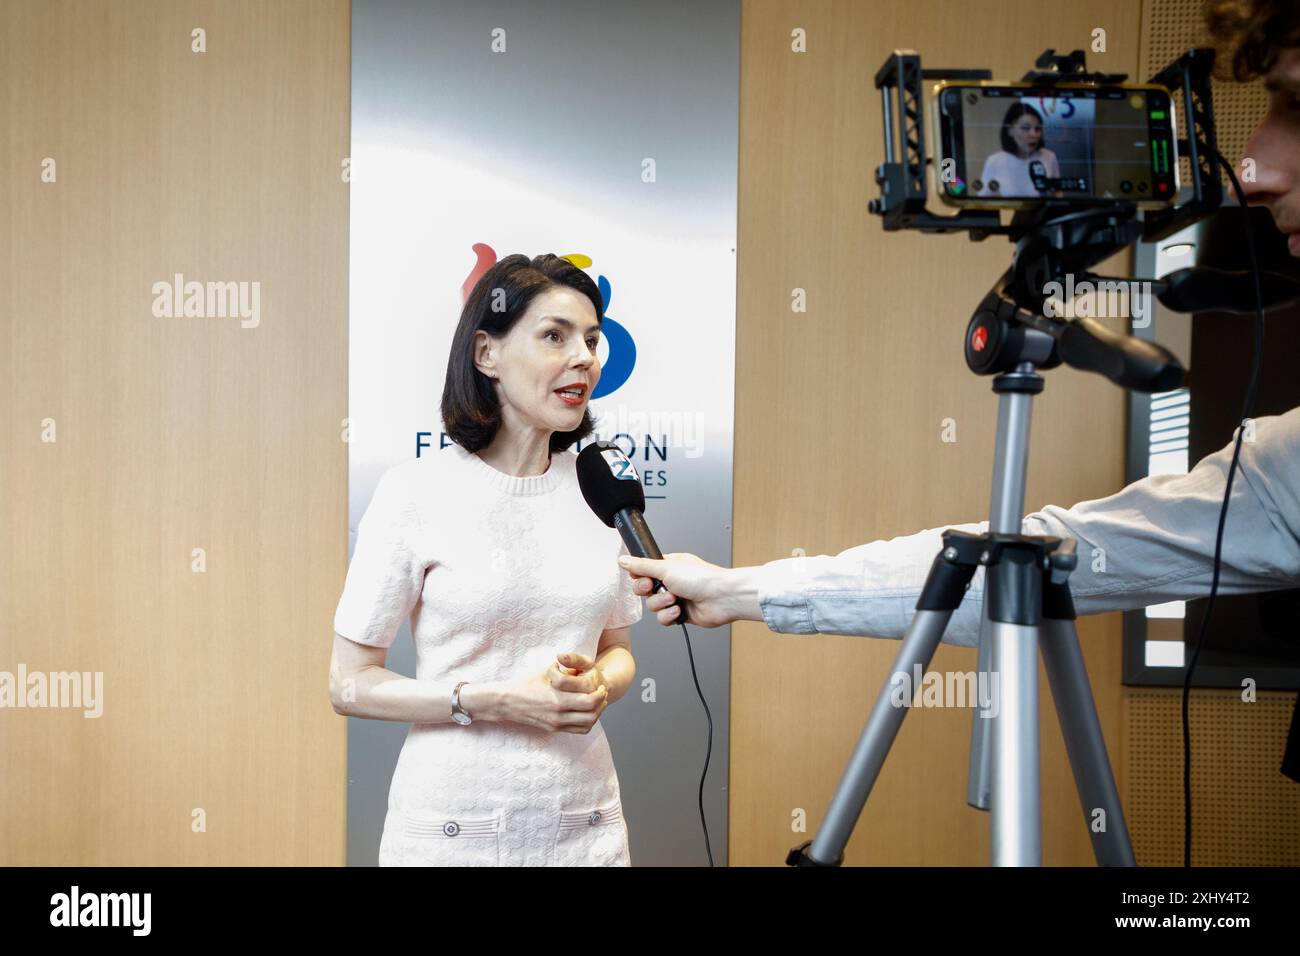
(708,754)
(1247,407)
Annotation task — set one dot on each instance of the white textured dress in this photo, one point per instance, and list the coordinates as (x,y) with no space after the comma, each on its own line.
(498,575)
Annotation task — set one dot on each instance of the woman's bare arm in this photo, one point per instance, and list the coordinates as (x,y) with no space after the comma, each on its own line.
(360,686)
(614,658)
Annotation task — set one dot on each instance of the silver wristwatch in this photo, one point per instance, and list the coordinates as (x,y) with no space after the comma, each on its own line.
(459,713)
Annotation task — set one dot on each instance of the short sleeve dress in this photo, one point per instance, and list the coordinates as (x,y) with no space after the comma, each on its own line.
(1012,175)
(498,574)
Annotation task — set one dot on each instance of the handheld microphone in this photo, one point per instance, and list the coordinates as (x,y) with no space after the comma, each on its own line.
(1038,175)
(612,489)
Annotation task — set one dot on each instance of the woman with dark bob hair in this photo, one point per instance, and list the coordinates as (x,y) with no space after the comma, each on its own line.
(519,611)
(1006,173)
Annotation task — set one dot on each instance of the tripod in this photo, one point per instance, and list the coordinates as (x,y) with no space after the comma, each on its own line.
(1027,603)
(1027,606)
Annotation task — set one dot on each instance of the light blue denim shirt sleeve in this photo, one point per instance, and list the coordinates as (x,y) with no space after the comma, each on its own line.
(1150,543)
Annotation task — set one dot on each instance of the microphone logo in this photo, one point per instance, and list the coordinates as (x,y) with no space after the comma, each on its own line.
(1038,175)
(619,465)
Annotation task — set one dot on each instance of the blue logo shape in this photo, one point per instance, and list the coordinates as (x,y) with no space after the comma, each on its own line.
(622,350)
(1065,104)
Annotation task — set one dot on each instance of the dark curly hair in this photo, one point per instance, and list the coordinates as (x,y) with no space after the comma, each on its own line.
(471,411)
(1251,34)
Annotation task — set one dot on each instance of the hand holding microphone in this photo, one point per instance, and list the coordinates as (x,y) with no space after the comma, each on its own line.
(682,588)
(702,587)
(612,489)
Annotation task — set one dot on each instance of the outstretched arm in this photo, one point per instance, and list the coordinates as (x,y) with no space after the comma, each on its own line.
(1149,543)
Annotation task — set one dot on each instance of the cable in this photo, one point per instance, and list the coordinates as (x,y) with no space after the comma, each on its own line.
(708,847)
(1247,407)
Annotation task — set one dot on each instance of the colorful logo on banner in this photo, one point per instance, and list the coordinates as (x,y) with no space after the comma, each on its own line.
(622,349)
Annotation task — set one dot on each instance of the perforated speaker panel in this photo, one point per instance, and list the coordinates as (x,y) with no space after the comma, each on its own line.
(1245,813)
(1169,28)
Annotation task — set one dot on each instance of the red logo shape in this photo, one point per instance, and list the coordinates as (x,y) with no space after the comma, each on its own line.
(485,259)
(979,338)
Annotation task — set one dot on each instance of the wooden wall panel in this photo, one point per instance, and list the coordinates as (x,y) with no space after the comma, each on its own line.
(173,433)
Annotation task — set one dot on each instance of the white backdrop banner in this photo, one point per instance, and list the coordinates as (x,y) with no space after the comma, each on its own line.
(602,131)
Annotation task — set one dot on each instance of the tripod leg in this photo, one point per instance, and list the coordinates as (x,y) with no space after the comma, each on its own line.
(1016,823)
(950,575)
(1068,678)
(919,644)
(981,730)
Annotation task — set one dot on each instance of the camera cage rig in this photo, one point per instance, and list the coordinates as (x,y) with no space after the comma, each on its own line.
(1053,238)
(902,178)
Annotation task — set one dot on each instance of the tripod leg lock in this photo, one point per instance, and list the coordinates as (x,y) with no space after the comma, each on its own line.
(1027,576)
(1058,605)
(952,570)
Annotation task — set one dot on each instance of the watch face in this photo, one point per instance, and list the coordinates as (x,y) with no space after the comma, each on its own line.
(461,719)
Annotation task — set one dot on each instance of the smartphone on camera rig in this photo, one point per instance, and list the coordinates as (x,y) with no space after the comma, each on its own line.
(1005,145)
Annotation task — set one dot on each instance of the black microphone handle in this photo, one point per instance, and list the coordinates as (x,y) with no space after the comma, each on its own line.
(641,543)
